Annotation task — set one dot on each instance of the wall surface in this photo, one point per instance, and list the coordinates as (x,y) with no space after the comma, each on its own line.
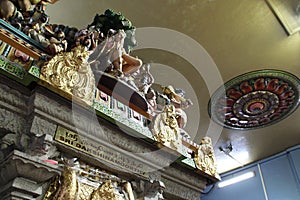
(276,178)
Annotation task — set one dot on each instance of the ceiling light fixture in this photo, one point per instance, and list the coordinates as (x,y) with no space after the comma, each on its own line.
(236,179)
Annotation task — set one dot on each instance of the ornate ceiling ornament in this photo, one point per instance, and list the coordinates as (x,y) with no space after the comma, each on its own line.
(255,99)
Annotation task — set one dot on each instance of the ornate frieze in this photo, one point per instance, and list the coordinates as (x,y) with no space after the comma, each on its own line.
(47,107)
(127,161)
(11,121)
(13,99)
(187,179)
(175,190)
(41,126)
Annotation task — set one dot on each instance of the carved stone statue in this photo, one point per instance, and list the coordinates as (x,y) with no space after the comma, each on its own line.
(204,157)
(165,128)
(38,146)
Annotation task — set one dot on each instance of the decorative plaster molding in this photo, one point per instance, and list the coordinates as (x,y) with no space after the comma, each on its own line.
(40,126)
(185,178)
(13,98)
(11,121)
(89,126)
(174,189)
(19,164)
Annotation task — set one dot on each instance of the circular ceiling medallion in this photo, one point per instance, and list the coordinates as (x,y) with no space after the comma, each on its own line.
(255,99)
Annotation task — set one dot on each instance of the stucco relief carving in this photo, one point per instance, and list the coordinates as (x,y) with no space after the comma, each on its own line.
(41,127)
(148,189)
(57,110)
(121,141)
(36,146)
(17,136)
(12,102)
(82,181)
(11,121)
(9,96)
(42,147)
(72,117)
(133,147)
(184,177)
(180,191)
(205,158)
(165,128)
